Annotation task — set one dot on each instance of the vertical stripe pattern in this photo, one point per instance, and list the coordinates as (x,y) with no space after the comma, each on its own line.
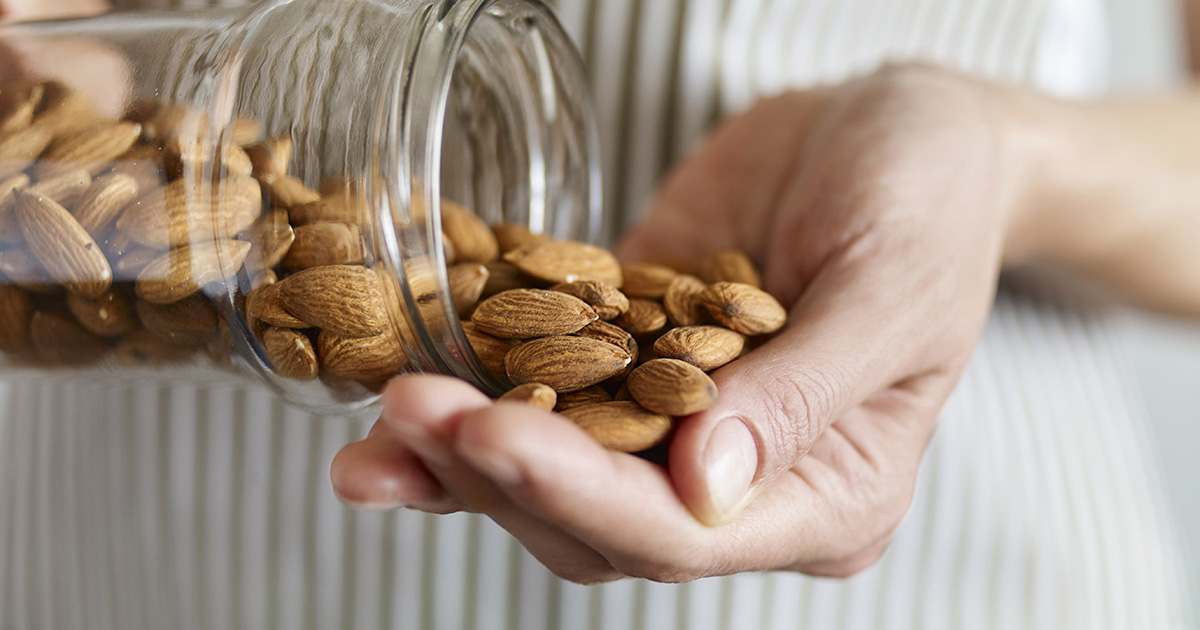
(131,502)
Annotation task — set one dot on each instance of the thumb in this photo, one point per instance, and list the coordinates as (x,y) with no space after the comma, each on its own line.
(776,401)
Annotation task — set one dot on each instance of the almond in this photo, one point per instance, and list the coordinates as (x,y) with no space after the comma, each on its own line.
(270,157)
(605,299)
(21,148)
(564,363)
(263,304)
(611,333)
(290,354)
(567,261)
(16,309)
(586,396)
(64,109)
(187,211)
(621,426)
(490,350)
(503,276)
(672,387)
(682,301)
(58,339)
(706,347)
(346,208)
(533,394)
(133,262)
(91,149)
(243,131)
(183,271)
(528,313)
(10,232)
(510,236)
(644,317)
(191,321)
(744,308)
(145,164)
(289,192)
(65,250)
(109,315)
(364,359)
(99,206)
(144,348)
(647,280)
(18,100)
(730,265)
(466,284)
(64,188)
(270,238)
(320,244)
(345,300)
(473,239)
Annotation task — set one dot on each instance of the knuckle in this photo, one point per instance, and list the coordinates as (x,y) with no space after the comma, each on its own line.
(796,405)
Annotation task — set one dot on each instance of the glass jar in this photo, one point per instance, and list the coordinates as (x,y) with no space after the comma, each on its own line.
(266,187)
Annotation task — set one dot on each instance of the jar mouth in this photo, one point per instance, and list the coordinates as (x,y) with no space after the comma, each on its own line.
(496,116)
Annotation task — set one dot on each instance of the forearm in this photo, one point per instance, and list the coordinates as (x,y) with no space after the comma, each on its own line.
(1114,192)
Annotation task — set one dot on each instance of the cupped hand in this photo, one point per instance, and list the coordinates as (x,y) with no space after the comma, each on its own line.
(881,212)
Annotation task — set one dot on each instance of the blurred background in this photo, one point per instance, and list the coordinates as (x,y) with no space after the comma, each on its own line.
(1166,353)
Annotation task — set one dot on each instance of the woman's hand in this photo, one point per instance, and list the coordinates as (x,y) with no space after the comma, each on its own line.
(881,212)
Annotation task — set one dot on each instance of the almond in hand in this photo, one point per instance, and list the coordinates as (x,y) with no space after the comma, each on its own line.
(586,396)
(621,426)
(533,394)
(565,363)
(290,354)
(644,317)
(567,261)
(647,280)
(608,301)
(730,265)
(529,313)
(672,387)
(345,300)
(744,308)
(682,301)
(65,250)
(706,347)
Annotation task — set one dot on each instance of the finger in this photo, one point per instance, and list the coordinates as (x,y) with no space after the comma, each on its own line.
(839,348)
(45,9)
(722,195)
(380,473)
(427,412)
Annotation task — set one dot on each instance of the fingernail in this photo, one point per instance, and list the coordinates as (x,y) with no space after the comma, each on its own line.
(730,464)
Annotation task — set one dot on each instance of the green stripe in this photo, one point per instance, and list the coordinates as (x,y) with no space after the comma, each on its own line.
(274,588)
(590,25)
(629,51)
(200,488)
(312,482)
(238,474)
(668,116)
(167,549)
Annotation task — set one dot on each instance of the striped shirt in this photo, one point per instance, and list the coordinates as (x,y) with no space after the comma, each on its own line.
(132,501)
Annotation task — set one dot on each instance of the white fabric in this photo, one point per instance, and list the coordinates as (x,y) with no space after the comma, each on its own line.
(134,502)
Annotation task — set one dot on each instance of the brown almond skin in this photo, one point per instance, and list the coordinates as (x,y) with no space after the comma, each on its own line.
(565,363)
(318,244)
(611,333)
(473,239)
(19,103)
(59,340)
(290,354)
(567,261)
(730,265)
(608,301)
(10,232)
(181,272)
(16,309)
(533,394)
(270,157)
(490,350)
(143,348)
(682,301)
(706,347)
(189,322)
(289,192)
(621,426)
(182,213)
(345,300)
(647,280)
(100,205)
(65,188)
(270,239)
(65,250)
(504,276)
(586,396)
(744,308)
(672,387)
(109,315)
(644,317)
(530,313)
(466,285)
(21,148)
(510,236)
(364,359)
(263,304)
(92,148)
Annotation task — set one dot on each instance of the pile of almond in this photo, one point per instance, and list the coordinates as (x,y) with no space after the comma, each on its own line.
(141,239)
